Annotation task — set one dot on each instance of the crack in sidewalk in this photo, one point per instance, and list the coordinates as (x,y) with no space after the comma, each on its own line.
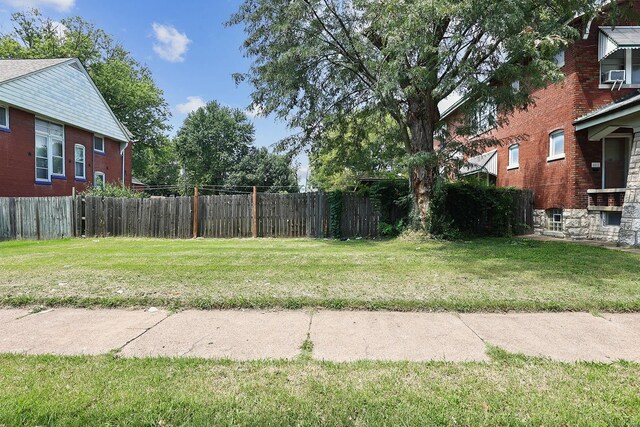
(117,351)
(458,315)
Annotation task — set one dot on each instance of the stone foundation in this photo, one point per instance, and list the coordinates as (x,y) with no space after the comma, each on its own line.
(630,226)
(578,224)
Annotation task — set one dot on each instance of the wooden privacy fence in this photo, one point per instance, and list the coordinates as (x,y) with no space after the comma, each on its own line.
(523,202)
(167,217)
(222,216)
(36,218)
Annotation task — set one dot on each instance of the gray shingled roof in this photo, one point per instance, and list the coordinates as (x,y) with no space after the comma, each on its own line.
(12,68)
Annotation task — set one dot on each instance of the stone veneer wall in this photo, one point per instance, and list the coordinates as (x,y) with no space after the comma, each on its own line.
(630,226)
(578,224)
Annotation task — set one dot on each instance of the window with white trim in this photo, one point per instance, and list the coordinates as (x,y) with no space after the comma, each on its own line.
(556,145)
(80,162)
(627,60)
(49,150)
(514,156)
(4,117)
(484,118)
(98,144)
(559,58)
(615,61)
(554,220)
(99,179)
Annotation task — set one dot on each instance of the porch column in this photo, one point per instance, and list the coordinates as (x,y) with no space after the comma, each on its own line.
(630,225)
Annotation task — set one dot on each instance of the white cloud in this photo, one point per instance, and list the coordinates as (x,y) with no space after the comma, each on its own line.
(171,44)
(60,5)
(192,104)
(256,111)
(60,29)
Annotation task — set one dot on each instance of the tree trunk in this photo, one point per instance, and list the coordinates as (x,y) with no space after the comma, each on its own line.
(421,118)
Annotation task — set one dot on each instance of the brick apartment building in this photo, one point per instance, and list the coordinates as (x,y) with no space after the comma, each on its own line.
(581,153)
(57,133)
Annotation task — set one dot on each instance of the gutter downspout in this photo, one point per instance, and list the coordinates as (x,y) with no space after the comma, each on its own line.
(123,148)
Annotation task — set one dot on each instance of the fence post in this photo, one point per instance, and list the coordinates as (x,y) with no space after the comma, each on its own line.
(255,212)
(195,213)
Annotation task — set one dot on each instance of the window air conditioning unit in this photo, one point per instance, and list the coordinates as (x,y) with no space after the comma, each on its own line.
(616,76)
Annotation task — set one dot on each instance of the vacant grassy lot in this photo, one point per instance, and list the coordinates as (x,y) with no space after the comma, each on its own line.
(511,390)
(492,274)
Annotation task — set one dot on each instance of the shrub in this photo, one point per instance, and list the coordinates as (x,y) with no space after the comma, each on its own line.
(113,190)
(392,198)
(462,208)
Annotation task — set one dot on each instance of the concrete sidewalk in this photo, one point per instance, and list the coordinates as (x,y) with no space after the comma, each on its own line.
(339,336)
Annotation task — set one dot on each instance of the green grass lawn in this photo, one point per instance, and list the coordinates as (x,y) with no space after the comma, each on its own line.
(479,275)
(510,390)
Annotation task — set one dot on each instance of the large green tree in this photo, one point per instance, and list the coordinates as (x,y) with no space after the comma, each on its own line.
(366,146)
(126,84)
(270,172)
(314,59)
(211,142)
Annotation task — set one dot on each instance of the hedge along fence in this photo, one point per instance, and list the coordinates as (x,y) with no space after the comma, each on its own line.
(470,209)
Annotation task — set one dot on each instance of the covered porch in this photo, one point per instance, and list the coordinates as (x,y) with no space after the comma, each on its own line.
(616,127)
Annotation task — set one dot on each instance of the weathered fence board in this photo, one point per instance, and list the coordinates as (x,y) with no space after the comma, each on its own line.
(36,218)
(523,202)
(221,216)
(169,217)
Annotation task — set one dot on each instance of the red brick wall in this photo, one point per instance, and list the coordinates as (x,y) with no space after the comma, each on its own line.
(560,183)
(17,160)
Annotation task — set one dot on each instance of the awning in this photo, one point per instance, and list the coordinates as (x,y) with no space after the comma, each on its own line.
(613,39)
(484,163)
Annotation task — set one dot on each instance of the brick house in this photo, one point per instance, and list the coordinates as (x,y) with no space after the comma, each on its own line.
(578,147)
(57,133)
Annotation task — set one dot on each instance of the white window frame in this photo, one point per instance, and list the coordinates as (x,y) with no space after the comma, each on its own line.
(6,117)
(628,72)
(559,58)
(96,174)
(484,118)
(84,161)
(552,224)
(100,137)
(513,165)
(51,140)
(552,154)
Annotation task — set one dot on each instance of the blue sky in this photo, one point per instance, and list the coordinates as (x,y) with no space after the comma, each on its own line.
(185,44)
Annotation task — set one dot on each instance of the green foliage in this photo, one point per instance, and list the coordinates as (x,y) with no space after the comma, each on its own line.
(316,61)
(392,199)
(335,214)
(212,141)
(366,146)
(462,208)
(161,166)
(270,172)
(113,190)
(126,85)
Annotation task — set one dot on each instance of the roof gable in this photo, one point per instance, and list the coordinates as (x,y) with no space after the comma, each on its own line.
(62,91)
(14,68)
